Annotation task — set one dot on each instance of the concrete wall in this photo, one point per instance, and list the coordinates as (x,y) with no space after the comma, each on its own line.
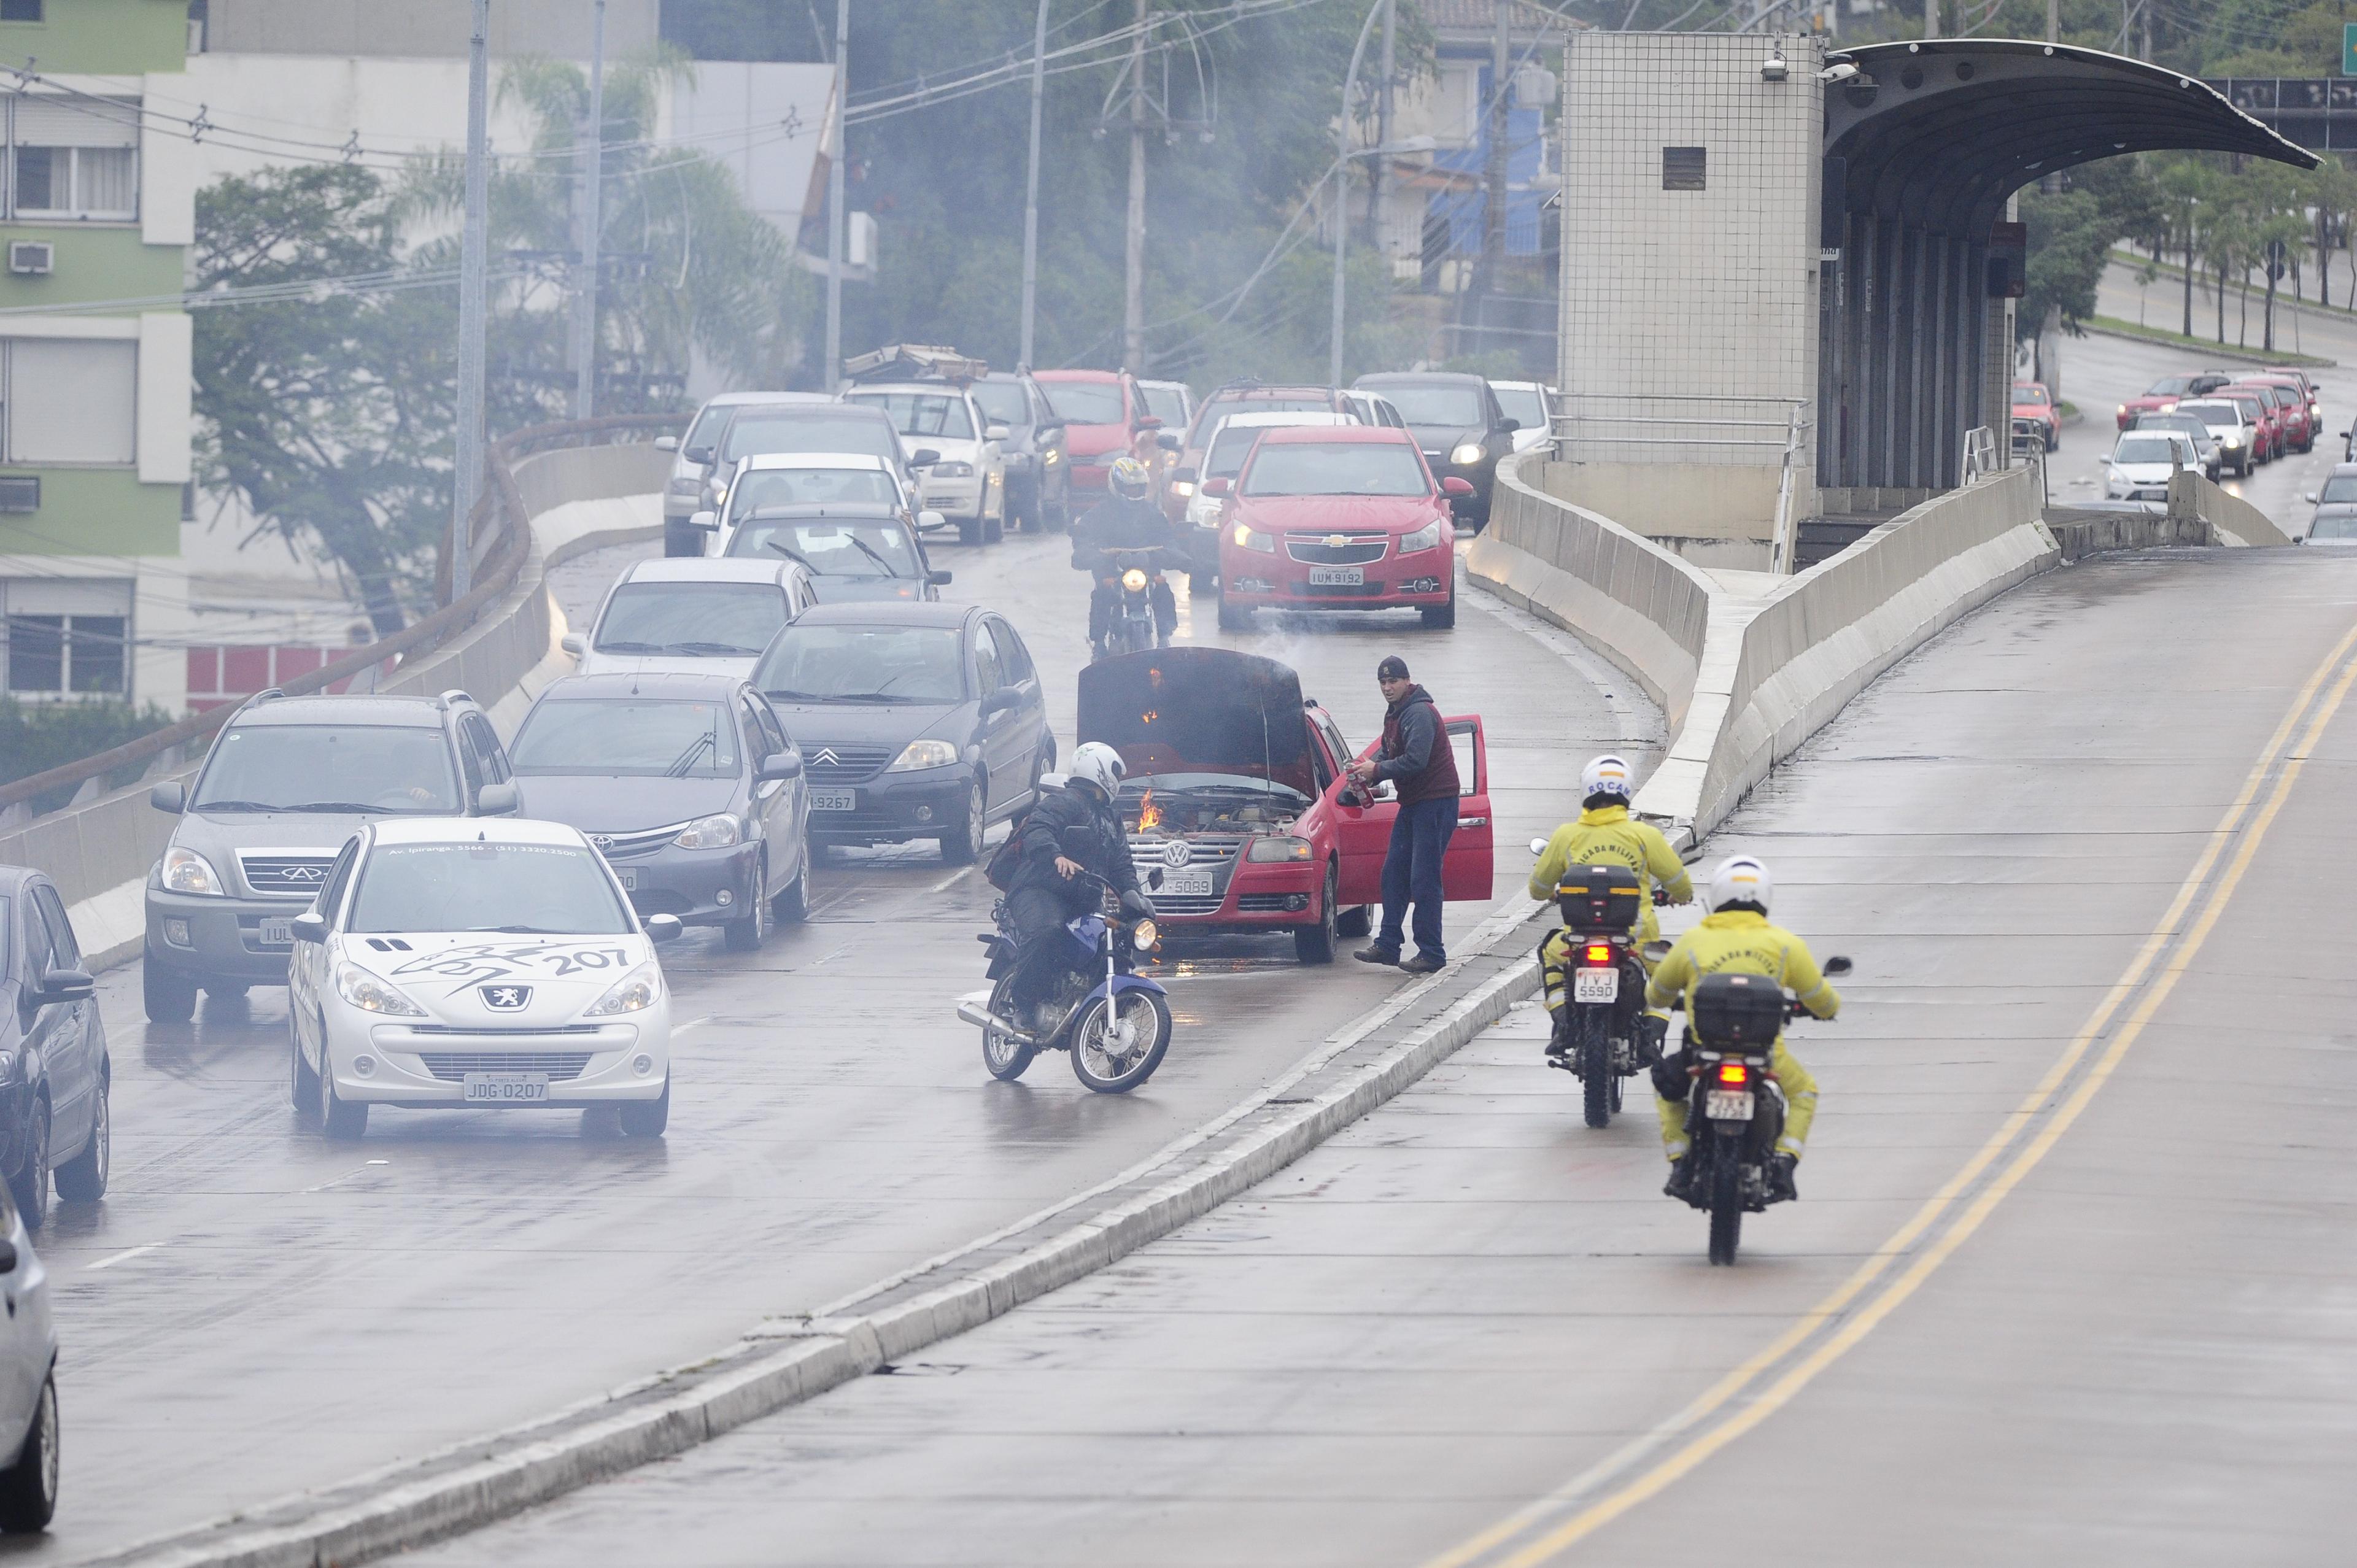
(1711,515)
(2191,497)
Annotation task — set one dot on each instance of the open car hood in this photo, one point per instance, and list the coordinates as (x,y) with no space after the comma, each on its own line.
(1200,710)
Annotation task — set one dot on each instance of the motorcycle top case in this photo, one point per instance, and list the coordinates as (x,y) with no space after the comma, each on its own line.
(1599,898)
(1737,1010)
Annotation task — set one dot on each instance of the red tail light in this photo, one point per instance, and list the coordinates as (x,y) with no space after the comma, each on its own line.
(1734,1072)
(1599,952)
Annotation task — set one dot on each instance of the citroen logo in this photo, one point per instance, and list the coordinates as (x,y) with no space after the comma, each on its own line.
(1177,853)
(826,755)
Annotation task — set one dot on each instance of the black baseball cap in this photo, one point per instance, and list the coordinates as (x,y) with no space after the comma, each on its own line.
(1393,668)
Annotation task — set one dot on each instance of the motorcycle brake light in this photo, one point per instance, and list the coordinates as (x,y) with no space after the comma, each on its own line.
(1734,1072)
(1599,952)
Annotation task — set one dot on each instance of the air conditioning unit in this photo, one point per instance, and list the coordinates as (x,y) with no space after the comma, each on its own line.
(20,493)
(31,256)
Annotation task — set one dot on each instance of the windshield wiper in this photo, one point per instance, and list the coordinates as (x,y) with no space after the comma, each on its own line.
(872,697)
(688,758)
(520,930)
(234,806)
(630,647)
(796,556)
(716,650)
(344,807)
(865,549)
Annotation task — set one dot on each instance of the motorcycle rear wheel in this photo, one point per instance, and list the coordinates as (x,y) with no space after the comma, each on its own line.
(1003,1055)
(1103,1058)
(1596,1074)
(1725,1202)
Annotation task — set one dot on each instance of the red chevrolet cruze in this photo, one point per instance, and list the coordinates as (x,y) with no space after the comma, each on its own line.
(1337,517)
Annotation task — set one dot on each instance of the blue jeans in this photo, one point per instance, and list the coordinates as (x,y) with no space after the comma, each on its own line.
(1420,836)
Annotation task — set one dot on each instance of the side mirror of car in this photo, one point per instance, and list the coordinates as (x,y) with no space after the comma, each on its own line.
(780,765)
(63,984)
(2309,497)
(1216,489)
(1000,700)
(666,443)
(1655,951)
(938,579)
(310,926)
(1837,965)
(1169,442)
(931,519)
(697,454)
(7,1257)
(499,801)
(995,433)
(923,457)
(661,928)
(1154,879)
(1454,487)
(573,642)
(172,797)
(1182,475)
(1510,426)
(709,521)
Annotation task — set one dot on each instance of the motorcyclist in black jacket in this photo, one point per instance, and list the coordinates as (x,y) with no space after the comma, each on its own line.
(1069,831)
(1126,519)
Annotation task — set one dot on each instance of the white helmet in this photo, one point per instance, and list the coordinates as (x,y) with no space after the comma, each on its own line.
(1740,879)
(1098,764)
(1606,775)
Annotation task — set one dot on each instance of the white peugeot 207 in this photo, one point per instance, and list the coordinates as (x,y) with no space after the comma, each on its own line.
(450,963)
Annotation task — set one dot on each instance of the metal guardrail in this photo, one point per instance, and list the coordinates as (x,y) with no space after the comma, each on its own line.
(1980,454)
(502,502)
(1742,431)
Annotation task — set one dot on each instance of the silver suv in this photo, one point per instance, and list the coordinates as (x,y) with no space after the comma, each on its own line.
(288,780)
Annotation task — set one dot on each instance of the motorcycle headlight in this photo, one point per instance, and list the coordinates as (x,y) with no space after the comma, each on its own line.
(1425,538)
(1145,934)
(1134,580)
(1275,848)
(709,833)
(1253,539)
(370,994)
(923,753)
(634,993)
(951,470)
(1468,452)
(186,871)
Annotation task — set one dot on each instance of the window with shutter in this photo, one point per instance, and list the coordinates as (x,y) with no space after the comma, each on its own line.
(74,157)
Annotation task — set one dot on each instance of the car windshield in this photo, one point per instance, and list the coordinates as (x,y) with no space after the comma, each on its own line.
(329,767)
(1001,402)
(1167,403)
(2254,408)
(865,664)
(2169,386)
(1085,402)
(1526,406)
(2340,488)
(1226,458)
(2213,412)
(707,426)
(2334,528)
(832,549)
(809,430)
(2155,448)
(533,889)
(1339,468)
(691,620)
(2033,394)
(922,414)
(636,737)
(812,487)
(1458,407)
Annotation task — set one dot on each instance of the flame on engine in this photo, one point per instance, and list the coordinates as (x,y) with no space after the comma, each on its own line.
(1149,815)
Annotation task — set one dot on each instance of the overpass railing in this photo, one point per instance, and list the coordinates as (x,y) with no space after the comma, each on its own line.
(1733,432)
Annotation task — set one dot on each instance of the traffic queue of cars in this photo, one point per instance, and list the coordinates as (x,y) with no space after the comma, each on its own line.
(2252,419)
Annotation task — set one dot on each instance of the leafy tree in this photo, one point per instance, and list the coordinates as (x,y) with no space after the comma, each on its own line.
(2072,234)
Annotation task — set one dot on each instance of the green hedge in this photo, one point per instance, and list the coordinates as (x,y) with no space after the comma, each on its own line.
(37,737)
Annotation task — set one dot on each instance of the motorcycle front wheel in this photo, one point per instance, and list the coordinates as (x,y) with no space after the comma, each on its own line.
(1002,1054)
(1118,1042)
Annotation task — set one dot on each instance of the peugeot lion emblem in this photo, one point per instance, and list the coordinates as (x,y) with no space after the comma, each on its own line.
(1176,853)
(506,998)
(826,755)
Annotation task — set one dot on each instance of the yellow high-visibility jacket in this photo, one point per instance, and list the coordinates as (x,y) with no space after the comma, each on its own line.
(1740,942)
(1608,836)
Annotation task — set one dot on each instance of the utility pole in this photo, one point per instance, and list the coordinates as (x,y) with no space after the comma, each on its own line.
(1132,302)
(1032,186)
(1378,175)
(1931,19)
(474,262)
(1494,215)
(1342,185)
(593,228)
(835,215)
(2054,20)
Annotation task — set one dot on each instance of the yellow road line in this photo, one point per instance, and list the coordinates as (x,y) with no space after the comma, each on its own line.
(1736,1381)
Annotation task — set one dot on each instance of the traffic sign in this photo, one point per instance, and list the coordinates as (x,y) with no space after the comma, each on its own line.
(2349,48)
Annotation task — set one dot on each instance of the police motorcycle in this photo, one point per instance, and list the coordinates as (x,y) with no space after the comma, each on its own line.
(1601,1033)
(1130,627)
(1735,1112)
(1115,1021)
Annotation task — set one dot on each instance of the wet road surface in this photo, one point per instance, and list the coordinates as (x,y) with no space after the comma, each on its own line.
(253,1311)
(1469,1328)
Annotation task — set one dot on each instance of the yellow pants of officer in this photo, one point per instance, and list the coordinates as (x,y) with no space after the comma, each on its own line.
(1553,954)
(1799,1107)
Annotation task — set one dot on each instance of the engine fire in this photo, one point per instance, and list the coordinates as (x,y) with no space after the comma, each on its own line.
(1149,815)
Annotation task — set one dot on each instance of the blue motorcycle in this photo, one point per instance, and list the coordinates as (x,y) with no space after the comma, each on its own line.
(1115,1023)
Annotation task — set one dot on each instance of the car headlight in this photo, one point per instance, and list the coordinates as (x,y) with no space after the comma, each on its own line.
(2231,441)
(715,490)
(1052,456)
(1425,538)
(1145,934)
(686,488)
(923,753)
(1273,848)
(186,871)
(1251,538)
(1182,488)
(709,833)
(951,470)
(2123,411)
(1468,452)
(634,993)
(2168,408)
(370,994)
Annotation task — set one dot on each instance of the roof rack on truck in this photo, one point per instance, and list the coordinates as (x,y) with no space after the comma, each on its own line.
(914,362)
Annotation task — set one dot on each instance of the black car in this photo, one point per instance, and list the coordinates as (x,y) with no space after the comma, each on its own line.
(689,787)
(916,721)
(1457,419)
(853,551)
(53,1087)
(1039,470)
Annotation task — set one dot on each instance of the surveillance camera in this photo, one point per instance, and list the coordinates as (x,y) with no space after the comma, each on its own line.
(1772,69)
(1841,72)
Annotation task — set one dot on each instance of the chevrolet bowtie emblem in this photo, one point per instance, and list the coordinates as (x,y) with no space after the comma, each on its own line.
(1335,540)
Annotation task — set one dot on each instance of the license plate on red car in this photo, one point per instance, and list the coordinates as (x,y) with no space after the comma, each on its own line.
(1337,576)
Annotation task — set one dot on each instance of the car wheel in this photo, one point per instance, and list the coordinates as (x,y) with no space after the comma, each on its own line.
(648,1118)
(170,997)
(1202,582)
(82,1179)
(747,934)
(1355,922)
(969,530)
(340,1120)
(1316,944)
(2054,440)
(1233,618)
(29,1489)
(994,529)
(31,1181)
(1441,617)
(303,1084)
(964,847)
(793,906)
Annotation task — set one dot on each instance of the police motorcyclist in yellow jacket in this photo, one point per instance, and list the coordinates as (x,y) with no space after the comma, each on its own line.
(1736,937)
(1605,834)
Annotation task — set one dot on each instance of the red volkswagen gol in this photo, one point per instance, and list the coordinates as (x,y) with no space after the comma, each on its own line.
(1344,518)
(1100,410)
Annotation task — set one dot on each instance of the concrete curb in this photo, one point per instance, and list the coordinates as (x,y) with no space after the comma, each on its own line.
(473,1483)
(2212,351)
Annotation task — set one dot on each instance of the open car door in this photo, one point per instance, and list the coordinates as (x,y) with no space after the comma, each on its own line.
(1364,831)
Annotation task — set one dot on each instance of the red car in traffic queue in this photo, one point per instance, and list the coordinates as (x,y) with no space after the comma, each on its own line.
(2308,388)
(1101,411)
(1339,517)
(2167,392)
(2031,402)
(2262,410)
(2289,398)
(1237,795)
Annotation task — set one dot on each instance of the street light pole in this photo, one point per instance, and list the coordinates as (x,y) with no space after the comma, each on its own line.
(1342,184)
(585,294)
(474,262)
(1031,187)
(1133,301)
(835,215)
(1379,176)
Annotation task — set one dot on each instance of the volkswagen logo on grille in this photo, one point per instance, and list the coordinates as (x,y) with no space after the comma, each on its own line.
(506,998)
(1177,853)
(826,755)
(305,874)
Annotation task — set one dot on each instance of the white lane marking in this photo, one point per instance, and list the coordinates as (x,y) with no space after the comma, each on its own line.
(678,1029)
(1634,723)
(356,1170)
(121,1258)
(946,883)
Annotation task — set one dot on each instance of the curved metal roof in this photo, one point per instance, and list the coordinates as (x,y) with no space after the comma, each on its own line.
(1940,134)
